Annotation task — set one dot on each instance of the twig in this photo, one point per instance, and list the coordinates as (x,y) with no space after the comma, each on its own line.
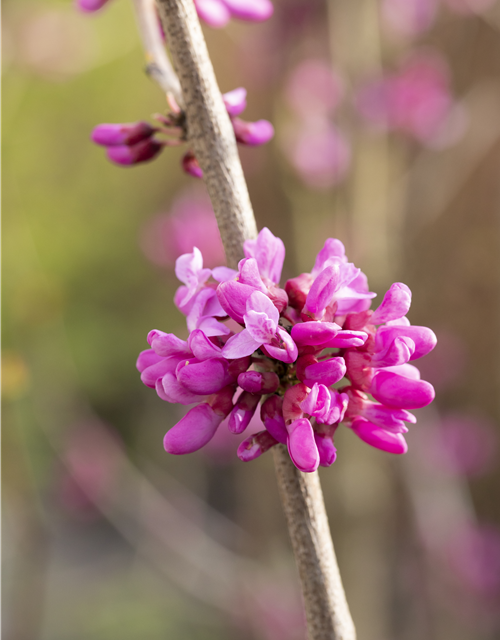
(209,129)
(212,137)
(158,66)
(327,611)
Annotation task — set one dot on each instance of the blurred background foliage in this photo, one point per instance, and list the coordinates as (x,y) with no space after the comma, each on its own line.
(107,536)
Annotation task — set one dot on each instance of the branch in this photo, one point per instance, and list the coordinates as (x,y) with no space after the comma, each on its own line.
(209,129)
(158,66)
(327,611)
(211,134)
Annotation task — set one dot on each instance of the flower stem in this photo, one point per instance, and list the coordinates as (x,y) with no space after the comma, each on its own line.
(210,132)
(209,129)
(327,611)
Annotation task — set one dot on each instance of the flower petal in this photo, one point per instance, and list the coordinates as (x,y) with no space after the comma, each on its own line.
(302,445)
(193,432)
(240,345)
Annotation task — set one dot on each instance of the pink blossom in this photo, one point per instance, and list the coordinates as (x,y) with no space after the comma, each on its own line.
(319,152)
(409,17)
(278,352)
(189,223)
(133,143)
(313,89)
(416,100)
(217,13)
(89,6)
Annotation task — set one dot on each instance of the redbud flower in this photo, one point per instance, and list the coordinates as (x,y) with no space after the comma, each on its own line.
(89,6)
(294,345)
(136,153)
(217,13)
(129,144)
(110,135)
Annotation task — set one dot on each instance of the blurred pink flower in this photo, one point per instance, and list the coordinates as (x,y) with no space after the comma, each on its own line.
(416,100)
(474,555)
(319,152)
(313,89)
(465,445)
(317,149)
(409,17)
(190,223)
(91,458)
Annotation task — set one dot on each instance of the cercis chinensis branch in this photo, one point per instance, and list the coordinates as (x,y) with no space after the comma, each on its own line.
(309,356)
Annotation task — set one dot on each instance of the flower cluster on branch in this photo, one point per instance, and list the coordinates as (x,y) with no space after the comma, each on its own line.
(136,142)
(312,355)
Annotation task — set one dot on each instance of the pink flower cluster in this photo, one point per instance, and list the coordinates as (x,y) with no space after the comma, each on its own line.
(312,355)
(215,13)
(136,142)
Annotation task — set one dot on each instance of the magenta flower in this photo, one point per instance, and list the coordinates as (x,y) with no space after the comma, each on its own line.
(217,13)
(137,142)
(294,345)
(89,6)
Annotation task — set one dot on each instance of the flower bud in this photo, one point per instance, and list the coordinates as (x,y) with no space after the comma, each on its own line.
(243,412)
(399,392)
(194,431)
(252,133)
(326,372)
(272,417)
(190,165)
(256,382)
(302,445)
(255,446)
(112,135)
(378,437)
(326,449)
(254,11)
(127,155)
(89,6)
(203,378)
(235,101)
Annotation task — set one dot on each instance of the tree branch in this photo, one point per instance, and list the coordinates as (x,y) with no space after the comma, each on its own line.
(209,129)
(211,134)
(327,611)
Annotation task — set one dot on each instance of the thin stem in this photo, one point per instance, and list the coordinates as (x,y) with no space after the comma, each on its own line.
(210,132)
(209,129)
(158,66)
(327,611)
